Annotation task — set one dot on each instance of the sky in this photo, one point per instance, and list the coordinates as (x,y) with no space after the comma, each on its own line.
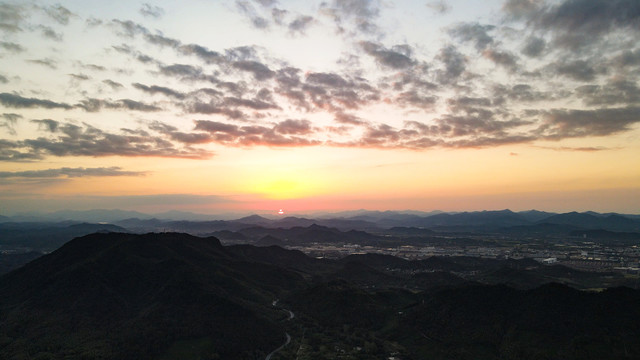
(259,105)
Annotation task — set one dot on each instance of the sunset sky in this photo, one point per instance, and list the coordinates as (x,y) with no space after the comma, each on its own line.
(256,105)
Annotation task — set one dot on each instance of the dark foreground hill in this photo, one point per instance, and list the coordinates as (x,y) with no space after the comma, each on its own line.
(176,296)
(121,296)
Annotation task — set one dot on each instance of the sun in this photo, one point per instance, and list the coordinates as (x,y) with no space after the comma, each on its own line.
(280,212)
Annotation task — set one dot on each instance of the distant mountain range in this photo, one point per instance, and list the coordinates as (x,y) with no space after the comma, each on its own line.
(359,220)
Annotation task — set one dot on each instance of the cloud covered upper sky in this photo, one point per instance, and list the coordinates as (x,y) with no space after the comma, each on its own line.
(190,80)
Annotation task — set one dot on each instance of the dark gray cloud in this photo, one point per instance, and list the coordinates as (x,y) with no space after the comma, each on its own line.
(577,24)
(534,46)
(49,33)
(17,101)
(348,119)
(202,52)
(278,15)
(502,58)
(473,32)
(359,15)
(286,133)
(523,93)
(580,70)
(416,99)
(614,92)
(94,105)
(71,173)
(212,107)
(300,24)
(59,13)
(94,67)
(391,58)
(3,79)
(241,53)
(160,40)
(182,71)
(11,17)
(293,127)
(47,124)
(260,71)
(186,138)
(11,47)
(67,139)
(8,121)
(627,58)
(439,7)
(113,84)
(518,9)
(51,64)
(155,89)
(454,63)
(128,28)
(79,77)
(560,123)
(152,11)
(250,12)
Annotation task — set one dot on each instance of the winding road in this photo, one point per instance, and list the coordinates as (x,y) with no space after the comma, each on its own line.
(280,348)
(291,316)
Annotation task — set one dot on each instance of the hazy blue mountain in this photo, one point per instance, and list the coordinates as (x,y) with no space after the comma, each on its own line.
(487,219)
(535,215)
(613,222)
(46,237)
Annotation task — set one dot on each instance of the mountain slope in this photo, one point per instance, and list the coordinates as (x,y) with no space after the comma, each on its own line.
(137,296)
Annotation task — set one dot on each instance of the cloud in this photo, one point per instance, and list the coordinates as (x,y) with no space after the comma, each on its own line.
(94,105)
(250,12)
(182,71)
(439,7)
(3,79)
(11,47)
(286,133)
(580,149)
(517,9)
(577,24)
(260,71)
(70,173)
(161,40)
(155,89)
(11,17)
(47,124)
(560,124)
(202,52)
(128,28)
(113,84)
(94,67)
(66,139)
(580,70)
(523,93)
(79,77)
(348,119)
(300,24)
(398,58)
(534,46)
(51,64)
(502,58)
(9,121)
(59,13)
(473,32)
(454,62)
(360,15)
(152,11)
(17,101)
(615,92)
